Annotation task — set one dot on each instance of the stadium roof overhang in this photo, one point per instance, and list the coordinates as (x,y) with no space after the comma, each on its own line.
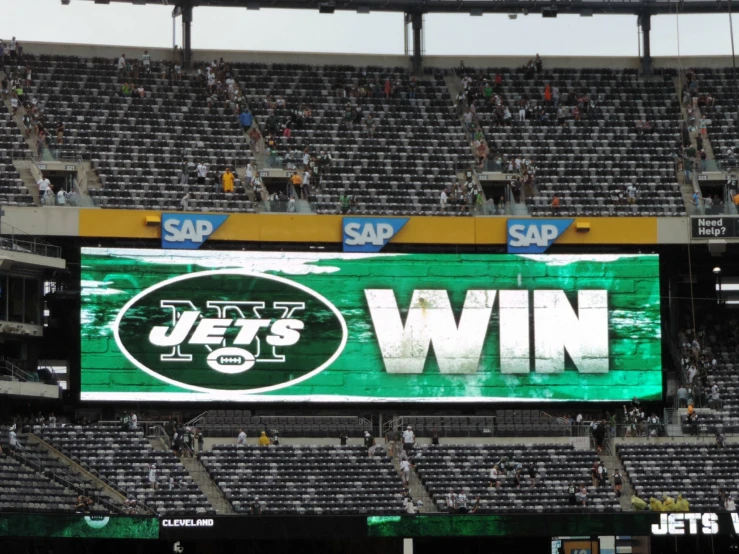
(474,7)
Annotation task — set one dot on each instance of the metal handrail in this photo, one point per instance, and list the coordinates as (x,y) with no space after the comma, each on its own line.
(71,481)
(29,245)
(8,368)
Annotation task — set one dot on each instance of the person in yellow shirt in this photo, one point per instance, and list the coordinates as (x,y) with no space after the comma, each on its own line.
(297,183)
(264,439)
(228,180)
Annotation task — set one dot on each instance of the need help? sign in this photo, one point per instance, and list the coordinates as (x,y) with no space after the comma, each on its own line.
(534,236)
(189,231)
(369,234)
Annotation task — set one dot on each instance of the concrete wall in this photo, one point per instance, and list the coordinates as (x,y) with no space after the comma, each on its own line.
(50,220)
(616,62)
(37,390)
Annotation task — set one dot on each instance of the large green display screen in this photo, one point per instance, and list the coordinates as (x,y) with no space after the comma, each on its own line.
(328,327)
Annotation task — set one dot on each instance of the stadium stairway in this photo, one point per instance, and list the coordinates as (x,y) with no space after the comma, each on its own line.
(200,477)
(211,491)
(415,487)
(687,188)
(115,496)
(613,463)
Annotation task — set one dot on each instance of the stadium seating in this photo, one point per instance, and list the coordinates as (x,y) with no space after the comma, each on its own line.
(122,458)
(588,163)
(137,145)
(23,489)
(416,149)
(305,479)
(13,191)
(466,467)
(694,470)
(722,131)
(225,423)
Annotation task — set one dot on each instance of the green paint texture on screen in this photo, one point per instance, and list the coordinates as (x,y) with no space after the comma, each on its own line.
(327,327)
(78,526)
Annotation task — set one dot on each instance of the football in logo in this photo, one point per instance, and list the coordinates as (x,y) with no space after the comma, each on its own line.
(230,330)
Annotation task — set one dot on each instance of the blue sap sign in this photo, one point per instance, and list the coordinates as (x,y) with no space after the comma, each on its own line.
(189,230)
(370,234)
(534,236)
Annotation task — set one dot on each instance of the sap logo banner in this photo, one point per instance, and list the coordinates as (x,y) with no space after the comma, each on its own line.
(370,234)
(534,236)
(189,231)
(682,524)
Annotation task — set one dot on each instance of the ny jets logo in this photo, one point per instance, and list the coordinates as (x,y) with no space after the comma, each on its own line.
(235,334)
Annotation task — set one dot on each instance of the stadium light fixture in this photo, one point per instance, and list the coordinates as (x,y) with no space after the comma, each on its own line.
(138,2)
(586,13)
(476,11)
(327,7)
(512,15)
(102,1)
(253,6)
(717,270)
(363,9)
(549,12)
(65,2)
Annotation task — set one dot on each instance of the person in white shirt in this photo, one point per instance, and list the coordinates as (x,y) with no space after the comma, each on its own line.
(692,373)
(462,503)
(306,184)
(13,47)
(730,505)
(408,505)
(202,170)
(291,204)
(153,476)
(230,83)
(306,157)
(185,202)
(61,197)
(451,501)
(241,440)
(134,421)
(146,61)
(443,200)
(43,185)
(250,169)
(405,471)
(409,439)
(122,63)
(13,438)
(14,104)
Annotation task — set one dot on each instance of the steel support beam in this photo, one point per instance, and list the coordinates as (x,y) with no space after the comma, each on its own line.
(645,21)
(417,26)
(186,34)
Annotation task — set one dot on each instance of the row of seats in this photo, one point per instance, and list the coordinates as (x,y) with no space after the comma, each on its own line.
(305,479)
(123,459)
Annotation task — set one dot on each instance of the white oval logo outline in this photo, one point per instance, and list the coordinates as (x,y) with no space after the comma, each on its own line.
(246,392)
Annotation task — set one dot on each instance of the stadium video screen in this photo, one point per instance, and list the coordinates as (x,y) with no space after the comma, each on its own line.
(338,327)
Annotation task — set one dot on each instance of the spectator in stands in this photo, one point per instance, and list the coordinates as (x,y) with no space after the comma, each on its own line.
(59,132)
(122,65)
(153,473)
(61,197)
(246,120)
(682,397)
(730,505)
(369,442)
(653,425)
(200,440)
(572,495)
(297,182)
(130,505)
(602,475)
(263,439)
(185,202)
(617,483)
(720,440)
(496,477)
(228,181)
(461,503)
(532,475)
(405,471)
(14,103)
(241,439)
(306,188)
(517,478)
(582,495)
(256,508)
(594,474)
(409,439)
(451,502)
(13,438)
(343,438)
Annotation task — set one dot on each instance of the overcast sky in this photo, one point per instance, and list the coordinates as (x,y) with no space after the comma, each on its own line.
(377,33)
